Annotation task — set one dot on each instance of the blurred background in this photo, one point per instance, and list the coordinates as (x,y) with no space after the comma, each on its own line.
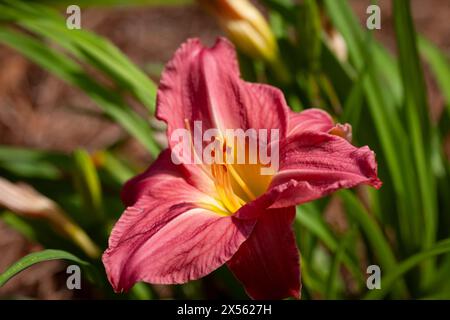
(69,142)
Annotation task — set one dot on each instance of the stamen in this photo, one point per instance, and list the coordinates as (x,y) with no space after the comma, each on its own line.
(215,208)
(236,175)
(220,174)
(241,182)
(223,186)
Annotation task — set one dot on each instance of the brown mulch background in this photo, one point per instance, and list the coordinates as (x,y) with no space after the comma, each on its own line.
(38,110)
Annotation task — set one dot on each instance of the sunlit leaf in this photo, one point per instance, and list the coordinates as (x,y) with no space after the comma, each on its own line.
(37,257)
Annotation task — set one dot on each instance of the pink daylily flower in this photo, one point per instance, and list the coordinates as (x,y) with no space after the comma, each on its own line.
(184,221)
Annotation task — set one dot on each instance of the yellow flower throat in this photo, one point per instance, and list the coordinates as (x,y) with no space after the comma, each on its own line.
(232,181)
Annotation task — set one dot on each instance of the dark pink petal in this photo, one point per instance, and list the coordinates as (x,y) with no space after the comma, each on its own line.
(203,84)
(309,120)
(170,244)
(314,164)
(164,237)
(317,120)
(265,107)
(161,176)
(268,263)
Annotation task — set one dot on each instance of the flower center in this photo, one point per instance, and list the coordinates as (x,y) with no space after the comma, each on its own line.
(235,184)
(222,182)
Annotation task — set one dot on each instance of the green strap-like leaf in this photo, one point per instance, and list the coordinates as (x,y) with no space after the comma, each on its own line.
(37,257)
(385,115)
(386,121)
(86,46)
(88,183)
(332,280)
(380,245)
(29,163)
(439,63)
(71,72)
(417,119)
(357,212)
(310,218)
(401,269)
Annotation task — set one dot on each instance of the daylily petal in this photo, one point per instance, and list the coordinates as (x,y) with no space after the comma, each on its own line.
(267,263)
(164,237)
(317,120)
(164,174)
(309,120)
(167,245)
(314,164)
(203,84)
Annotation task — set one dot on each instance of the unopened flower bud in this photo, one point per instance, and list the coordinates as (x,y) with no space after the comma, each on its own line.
(245,26)
(25,201)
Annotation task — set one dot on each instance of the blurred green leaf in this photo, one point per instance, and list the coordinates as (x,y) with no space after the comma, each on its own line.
(333,277)
(309,30)
(88,184)
(37,257)
(115,167)
(358,213)
(284,7)
(19,225)
(417,115)
(88,47)
(141,291)
(72,73)
(387,281)
(439,63)
(389,135)
(380,245)
(342,75)
(343,18)
(309,217)
(31,163)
